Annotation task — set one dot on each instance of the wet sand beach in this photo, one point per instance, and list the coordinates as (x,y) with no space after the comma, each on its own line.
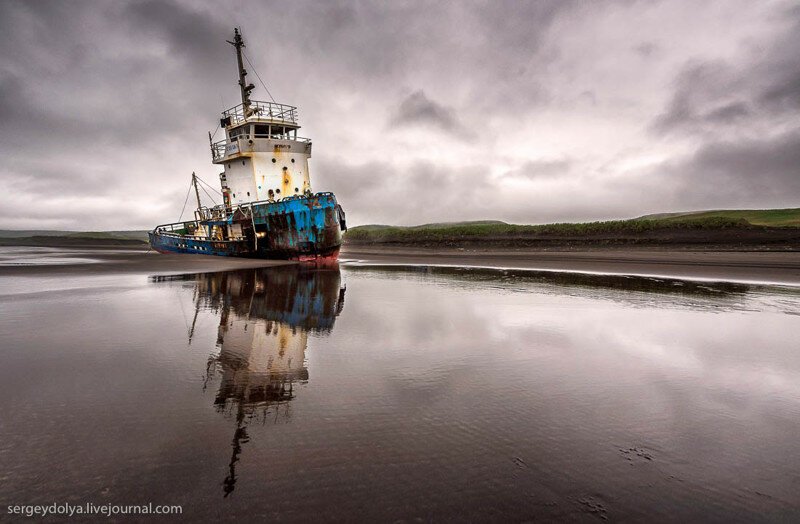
(386,392)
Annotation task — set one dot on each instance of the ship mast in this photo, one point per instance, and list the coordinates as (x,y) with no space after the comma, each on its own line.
(244,87)
(196,191)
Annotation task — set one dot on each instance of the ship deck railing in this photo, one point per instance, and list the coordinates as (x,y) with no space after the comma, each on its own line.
(203,237)
(181,230)
(218,215)
(247,206)
(174,228)
(262,111)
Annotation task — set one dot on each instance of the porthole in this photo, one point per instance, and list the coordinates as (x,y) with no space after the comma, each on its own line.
(259,187)
(296,190)
(285,168)
(278,191)
(242,162)
(293,161)
(248,193)
(273,160)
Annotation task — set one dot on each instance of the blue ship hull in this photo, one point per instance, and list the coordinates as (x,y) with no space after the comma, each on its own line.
(295,228)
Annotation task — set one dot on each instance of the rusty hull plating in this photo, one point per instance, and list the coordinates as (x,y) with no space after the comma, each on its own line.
(307,228)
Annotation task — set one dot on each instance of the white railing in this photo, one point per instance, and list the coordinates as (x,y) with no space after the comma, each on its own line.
(267,111)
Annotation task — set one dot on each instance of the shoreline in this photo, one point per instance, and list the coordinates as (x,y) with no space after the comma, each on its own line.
(758,267)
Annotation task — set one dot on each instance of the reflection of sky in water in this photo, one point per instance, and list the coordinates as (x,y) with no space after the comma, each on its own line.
(45,261)
(656,292)
(42,256)
(51,256)
(424,394)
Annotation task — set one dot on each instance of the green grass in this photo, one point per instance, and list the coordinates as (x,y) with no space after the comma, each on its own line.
(757,217)
(105,235)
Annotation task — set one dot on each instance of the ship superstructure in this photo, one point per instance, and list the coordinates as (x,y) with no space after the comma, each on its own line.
(269,209)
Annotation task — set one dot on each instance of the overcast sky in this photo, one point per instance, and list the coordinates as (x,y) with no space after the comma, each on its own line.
(419,112)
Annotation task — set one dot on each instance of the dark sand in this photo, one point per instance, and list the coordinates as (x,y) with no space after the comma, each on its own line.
(111,260)
(758,266)
(753,266)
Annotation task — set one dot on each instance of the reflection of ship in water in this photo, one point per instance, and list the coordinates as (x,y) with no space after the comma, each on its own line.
(266,316)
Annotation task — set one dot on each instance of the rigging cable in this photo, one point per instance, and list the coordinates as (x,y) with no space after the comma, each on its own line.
(258,76)
(208,186)
(188,192)
(208,195)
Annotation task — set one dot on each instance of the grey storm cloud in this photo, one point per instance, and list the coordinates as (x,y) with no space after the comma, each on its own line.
(748,113)
(765,82)
(707,94)
(419,111)
(381,186)
(739,169)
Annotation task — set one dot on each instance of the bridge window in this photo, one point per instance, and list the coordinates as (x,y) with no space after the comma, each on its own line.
(239,132)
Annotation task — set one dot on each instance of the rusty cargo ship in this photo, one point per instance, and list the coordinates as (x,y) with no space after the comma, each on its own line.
(268,209)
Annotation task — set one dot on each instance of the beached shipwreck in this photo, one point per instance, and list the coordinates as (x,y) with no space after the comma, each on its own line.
(268,208)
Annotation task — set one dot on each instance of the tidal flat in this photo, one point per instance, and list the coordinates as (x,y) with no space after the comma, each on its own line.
(377,391)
